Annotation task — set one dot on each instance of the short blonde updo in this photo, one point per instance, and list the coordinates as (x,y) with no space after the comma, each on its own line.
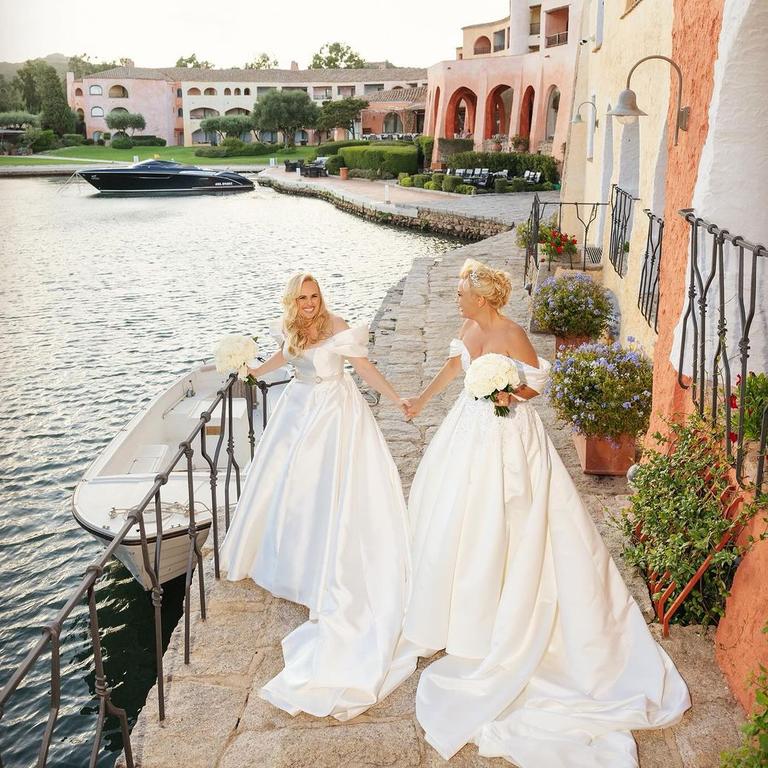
(492,284)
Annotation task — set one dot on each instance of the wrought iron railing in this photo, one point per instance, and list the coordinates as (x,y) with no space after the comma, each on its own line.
(648,294)
(51,632)
(561,38)
(716,333)
(544,212)
(622,204)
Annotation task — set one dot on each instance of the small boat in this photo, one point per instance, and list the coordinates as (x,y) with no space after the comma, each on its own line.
(164,176)
(125,471)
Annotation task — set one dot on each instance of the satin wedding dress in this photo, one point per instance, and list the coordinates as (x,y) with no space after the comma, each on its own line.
(549,661)
(322,521)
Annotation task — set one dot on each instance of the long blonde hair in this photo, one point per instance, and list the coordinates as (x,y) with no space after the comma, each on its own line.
(295,326)
(493,285)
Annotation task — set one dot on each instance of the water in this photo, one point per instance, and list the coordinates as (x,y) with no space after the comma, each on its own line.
(103,303)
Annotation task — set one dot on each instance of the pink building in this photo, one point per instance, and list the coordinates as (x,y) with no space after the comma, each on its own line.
(511,77)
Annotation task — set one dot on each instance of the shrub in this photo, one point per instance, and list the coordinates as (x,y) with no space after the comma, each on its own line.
(391,159)
(419,179)
(755,402)
(556,244)
(438,178)
(523,230)
(147,141)
(500,185)
(406,181)
(233,147)
(426,145)
(89,142)
(100,142)
(572,305)
(120,143)
(206,151)
(448,148)
(432,185)
(516,163)
(602,390)
(465,189)
(333,147)
(357,173)
(106,135)
(333,163)
(73,139)
(401,175)
(450,183)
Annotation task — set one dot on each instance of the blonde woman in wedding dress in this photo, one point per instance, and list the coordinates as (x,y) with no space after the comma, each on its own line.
(549,661)
(322,520)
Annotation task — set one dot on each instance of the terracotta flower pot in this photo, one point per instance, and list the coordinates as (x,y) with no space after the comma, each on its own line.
(569,342)
(343,173)
(601,456)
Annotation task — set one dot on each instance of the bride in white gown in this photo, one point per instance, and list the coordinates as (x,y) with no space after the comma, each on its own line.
(549,661)
(322,519)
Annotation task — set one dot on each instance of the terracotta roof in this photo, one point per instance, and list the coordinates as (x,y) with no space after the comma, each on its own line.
(303,76)
(398,94)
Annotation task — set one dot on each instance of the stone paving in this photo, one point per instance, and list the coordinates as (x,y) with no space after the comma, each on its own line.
(214,717)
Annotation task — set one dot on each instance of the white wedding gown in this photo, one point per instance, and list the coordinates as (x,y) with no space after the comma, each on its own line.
(322,521)
(550,663)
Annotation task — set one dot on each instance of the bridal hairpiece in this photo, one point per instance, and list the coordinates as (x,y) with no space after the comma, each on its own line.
(474,278)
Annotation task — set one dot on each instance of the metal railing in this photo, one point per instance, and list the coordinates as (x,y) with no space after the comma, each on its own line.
(622,204)
(561,38)
(648,294)
(541,213)
(51,632)
(715,331)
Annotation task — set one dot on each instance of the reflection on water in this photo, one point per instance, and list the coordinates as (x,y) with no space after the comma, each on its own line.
(103,302)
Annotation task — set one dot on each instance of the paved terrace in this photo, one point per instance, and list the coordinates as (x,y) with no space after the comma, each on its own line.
(215,718)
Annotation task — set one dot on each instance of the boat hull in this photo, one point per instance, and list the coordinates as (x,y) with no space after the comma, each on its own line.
(136,181)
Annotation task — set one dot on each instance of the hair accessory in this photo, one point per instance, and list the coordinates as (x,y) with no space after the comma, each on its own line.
(474,278)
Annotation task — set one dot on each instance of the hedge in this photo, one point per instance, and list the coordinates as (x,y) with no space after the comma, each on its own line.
(432,185)
(515,162)
(233,150)
(73,139)
(147,141)
(438,178)
(120,143)
(406,181)
(333,163)
(465,189)
(333,147)
(450,183)
(383,159)
(448,147)
(425,145)
(420,179)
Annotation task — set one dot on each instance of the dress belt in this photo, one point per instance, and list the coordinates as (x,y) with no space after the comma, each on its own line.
(317,379)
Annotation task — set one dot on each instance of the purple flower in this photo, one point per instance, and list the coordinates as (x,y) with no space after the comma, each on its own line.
(626,405)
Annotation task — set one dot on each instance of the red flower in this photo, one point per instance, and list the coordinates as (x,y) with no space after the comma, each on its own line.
(734,402)
(733,437)
(559,248)
(573,240)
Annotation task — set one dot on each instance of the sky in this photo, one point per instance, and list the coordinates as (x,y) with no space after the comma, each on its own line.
(415,33)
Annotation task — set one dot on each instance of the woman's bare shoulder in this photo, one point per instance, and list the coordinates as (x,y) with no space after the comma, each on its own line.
(520,345)
(338,323)
(465,326)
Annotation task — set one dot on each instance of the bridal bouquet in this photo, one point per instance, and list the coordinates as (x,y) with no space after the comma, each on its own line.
(233,353)
(490,374)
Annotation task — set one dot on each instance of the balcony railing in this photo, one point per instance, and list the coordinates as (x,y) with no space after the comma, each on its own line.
(50,643)
(535,28)
(648,295)
(561,38)
(621,219)
(716,336)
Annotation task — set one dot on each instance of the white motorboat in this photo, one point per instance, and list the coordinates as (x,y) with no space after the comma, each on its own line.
(123,474)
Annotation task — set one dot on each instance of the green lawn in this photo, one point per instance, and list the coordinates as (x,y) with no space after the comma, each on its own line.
(35,160)
(180,154)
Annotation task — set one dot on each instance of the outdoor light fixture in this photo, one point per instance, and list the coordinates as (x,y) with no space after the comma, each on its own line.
(578,119)
(626,109)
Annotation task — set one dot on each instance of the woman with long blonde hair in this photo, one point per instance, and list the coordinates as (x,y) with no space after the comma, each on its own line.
(549,661)
(321,520)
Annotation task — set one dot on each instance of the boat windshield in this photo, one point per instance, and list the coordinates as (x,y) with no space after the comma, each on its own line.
(160,164)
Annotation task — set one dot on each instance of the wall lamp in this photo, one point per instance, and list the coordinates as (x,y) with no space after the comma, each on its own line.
(578,119)
(626,109)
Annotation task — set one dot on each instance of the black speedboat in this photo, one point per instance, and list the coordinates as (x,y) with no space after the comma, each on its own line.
(164,176)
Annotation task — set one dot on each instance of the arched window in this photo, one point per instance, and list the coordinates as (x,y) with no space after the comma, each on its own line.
(210,91)
(267,137)
(78,91)
(482,45)
(97,135)
(398,88)
(97,112)
(178,93)
(553,105)
(393,123)
(118,92)
(202,112)
(119,109)
(180,112)
(95,90)
(247,92)
(193,92)
(227,91)
(237,111)
(237,91)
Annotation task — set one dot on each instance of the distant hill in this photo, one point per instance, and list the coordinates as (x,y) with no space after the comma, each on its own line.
(57,60)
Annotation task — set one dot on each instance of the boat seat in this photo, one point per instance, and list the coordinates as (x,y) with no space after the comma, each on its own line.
(151,459)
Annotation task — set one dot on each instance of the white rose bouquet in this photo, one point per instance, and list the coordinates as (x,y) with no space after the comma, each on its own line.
(233,353)
(490,374)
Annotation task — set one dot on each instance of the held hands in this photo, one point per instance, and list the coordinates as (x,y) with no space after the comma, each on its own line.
(412,407)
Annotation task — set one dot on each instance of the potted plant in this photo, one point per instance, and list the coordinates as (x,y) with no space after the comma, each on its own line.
(556,244)
(573,307)
(497,142)
(604,392)
(520,143)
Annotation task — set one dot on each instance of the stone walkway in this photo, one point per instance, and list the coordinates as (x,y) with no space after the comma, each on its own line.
(214,717)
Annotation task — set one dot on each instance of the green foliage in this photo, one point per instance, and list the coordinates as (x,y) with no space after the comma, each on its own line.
(556,244)
(358,173)
(82,65)
(500,186)
(146,141)
(193,61)
(118,120)
(336,56)
(39,140)
(234,148)
(55,112)
(523,231)
(392,160)
(753,753)
(516,163)
(450,183)
(28,83)
(18,119)
(333,163)
(572,305)
(333,147)
(432,185)
(520,143)
(438,178)
(341,113)
(755,403)
(121,142)
(602,390)
(285,111)
(676,517)
(406,181)
(262,61)
(10,97)
(232,126)
(521,185)
(425,145)
(419,179)
(465,189)
(447,148)
(73,139)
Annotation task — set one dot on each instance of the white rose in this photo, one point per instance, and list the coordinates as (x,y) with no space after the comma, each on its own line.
(233,353)
(491,373)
